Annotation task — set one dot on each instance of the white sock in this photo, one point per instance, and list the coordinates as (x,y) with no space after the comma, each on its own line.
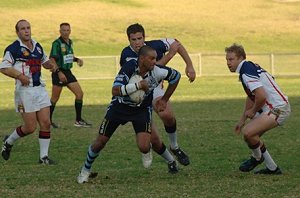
(12,138)
(173,140)
(256,153)
(44,147)
(167,156)
(269,161)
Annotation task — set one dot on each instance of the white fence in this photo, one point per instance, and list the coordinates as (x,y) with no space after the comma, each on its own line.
(106,67)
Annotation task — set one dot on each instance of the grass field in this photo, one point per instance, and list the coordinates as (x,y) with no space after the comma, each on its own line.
(206,113)
(99,26)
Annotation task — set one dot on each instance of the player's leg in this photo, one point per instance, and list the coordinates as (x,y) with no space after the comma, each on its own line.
(252,133)
(106,130)
(44,135)
(145,135)
(75,88)
(28,127)
(56,91)
(169,120)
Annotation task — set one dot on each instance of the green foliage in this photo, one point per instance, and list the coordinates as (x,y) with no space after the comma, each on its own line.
(206,112)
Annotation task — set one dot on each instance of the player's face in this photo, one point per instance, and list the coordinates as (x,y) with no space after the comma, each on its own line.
(136,41)
(65,32)
(24,31)
(233,61)
(150,60)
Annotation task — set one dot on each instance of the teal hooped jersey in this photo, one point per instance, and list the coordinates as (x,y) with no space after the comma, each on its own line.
(63,53)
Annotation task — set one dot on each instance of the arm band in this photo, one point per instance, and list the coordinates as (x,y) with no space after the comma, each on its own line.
(128,89)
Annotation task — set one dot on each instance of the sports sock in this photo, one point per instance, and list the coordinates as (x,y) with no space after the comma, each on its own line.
(165,153)
(18,133)
(44,141)
(78,109)
(256,152)
(90,158)
(270,164)
(172,135)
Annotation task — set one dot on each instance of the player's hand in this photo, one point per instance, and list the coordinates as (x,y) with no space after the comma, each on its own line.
(24,80)
(238,127)
(143,84)
(62,78)
(250,113)
(190,73)
(161,105)
(80,62)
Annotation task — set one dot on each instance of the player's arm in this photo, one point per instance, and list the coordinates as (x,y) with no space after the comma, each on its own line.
(189,69)
(8,69)
(248,105)
(78,61)
(13,73)
(259,102)
(173,78)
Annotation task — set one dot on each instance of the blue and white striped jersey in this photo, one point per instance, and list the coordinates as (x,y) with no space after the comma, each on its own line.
(153,77)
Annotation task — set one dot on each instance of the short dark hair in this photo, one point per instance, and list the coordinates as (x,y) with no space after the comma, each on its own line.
(16,26)
(64,24)
(237,49)
(134,28)
(144,50)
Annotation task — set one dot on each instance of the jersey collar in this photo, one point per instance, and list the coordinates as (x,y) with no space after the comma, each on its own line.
(23,45)
(239,66)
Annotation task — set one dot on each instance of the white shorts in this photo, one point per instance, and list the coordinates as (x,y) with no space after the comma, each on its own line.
(31,99)
(158,91)
(280,113)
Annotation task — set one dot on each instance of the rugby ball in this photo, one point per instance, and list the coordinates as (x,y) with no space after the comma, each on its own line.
(138,95)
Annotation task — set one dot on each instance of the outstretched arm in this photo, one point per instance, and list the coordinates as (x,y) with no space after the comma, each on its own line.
(189,69)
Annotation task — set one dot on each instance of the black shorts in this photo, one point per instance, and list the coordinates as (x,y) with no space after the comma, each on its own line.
(70,78)
(141,121)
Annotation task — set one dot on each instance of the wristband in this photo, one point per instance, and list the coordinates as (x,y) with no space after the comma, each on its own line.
(128,89)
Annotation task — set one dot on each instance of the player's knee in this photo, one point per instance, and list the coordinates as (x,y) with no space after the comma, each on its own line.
(247,135)
(29,129)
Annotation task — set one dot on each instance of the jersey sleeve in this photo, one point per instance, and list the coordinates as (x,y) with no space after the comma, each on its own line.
(125,73)
(167,42)
(166,73)
(8,60)
(55,50)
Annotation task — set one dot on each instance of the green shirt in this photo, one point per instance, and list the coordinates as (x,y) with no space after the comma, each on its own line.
(63,53)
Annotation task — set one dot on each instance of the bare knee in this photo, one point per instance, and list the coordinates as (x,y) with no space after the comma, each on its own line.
(100,143)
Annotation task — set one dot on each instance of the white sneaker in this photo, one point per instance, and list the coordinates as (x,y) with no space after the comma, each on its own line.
(83,176)
(147,159)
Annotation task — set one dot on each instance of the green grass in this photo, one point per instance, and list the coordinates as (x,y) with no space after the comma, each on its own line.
(206,112)
(98,26)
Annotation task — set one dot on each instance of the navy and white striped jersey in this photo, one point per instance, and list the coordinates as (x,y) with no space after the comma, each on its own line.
(153,77)
(161,46)
(28,62)
(253,76)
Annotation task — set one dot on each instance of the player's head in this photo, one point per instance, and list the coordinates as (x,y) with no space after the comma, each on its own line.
(235,54)
(23,30)
(136,36)
(147,58)
(65,30)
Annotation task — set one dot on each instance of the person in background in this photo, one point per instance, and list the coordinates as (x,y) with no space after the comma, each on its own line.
(266,107)
(62,53)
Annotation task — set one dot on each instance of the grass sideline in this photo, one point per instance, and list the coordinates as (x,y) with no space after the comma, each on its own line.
(206,112)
